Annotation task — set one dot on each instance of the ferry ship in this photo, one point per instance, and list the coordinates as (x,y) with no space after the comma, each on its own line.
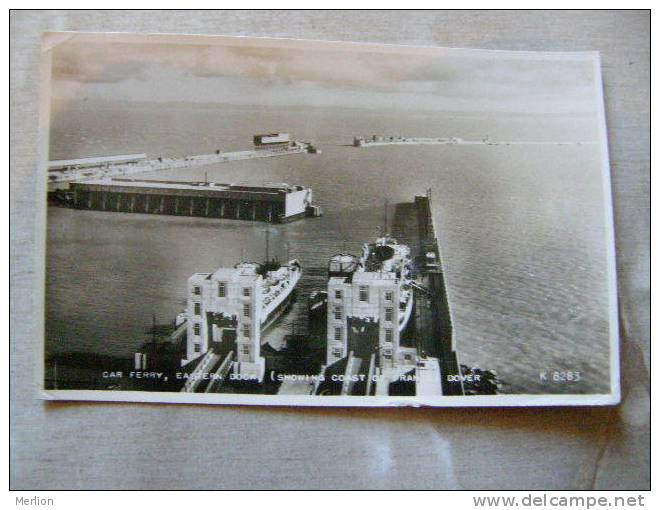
(386,255)
(278,285)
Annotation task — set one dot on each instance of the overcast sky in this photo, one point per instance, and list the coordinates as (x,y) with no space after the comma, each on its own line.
(316,74)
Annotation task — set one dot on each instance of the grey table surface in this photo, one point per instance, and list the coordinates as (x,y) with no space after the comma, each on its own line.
(129,446)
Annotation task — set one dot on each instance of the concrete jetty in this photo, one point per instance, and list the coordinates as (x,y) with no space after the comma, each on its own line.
(273,203)
(433,313)
(63,172)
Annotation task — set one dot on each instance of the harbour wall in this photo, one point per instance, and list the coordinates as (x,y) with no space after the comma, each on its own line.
(359,141)
(433,312)
(380,141)
(61,179)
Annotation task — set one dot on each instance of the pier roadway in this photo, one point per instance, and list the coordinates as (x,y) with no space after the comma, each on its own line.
(435,332)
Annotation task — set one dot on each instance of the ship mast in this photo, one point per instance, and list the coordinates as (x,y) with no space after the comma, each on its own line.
(153,331)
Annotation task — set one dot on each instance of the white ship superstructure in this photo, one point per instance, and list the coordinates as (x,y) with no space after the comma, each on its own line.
(386,255)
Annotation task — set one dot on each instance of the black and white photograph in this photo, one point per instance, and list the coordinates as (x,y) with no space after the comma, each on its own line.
(289,222)
(338,249)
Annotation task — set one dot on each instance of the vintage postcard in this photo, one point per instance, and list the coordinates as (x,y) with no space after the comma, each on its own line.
(284,222)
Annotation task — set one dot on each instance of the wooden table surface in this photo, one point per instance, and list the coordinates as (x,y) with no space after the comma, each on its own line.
(85,446)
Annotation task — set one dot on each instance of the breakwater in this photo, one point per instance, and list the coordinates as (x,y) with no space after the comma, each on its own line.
(106,169)
(433,313)
(379,141)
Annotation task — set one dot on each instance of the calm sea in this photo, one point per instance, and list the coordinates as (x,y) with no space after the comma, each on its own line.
(521,226)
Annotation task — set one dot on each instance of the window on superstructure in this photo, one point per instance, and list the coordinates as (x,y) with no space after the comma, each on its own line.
(197,347)
(364,293)
(336,353)
(197,329)
(245,349)
(338,334)
(247,310)
(387,353)
(389,335)
(246,330)
(389,314)
(247,291)
(198,308)
(197,290)
(222,289)
(338,294)
(338,313)
(389,295)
